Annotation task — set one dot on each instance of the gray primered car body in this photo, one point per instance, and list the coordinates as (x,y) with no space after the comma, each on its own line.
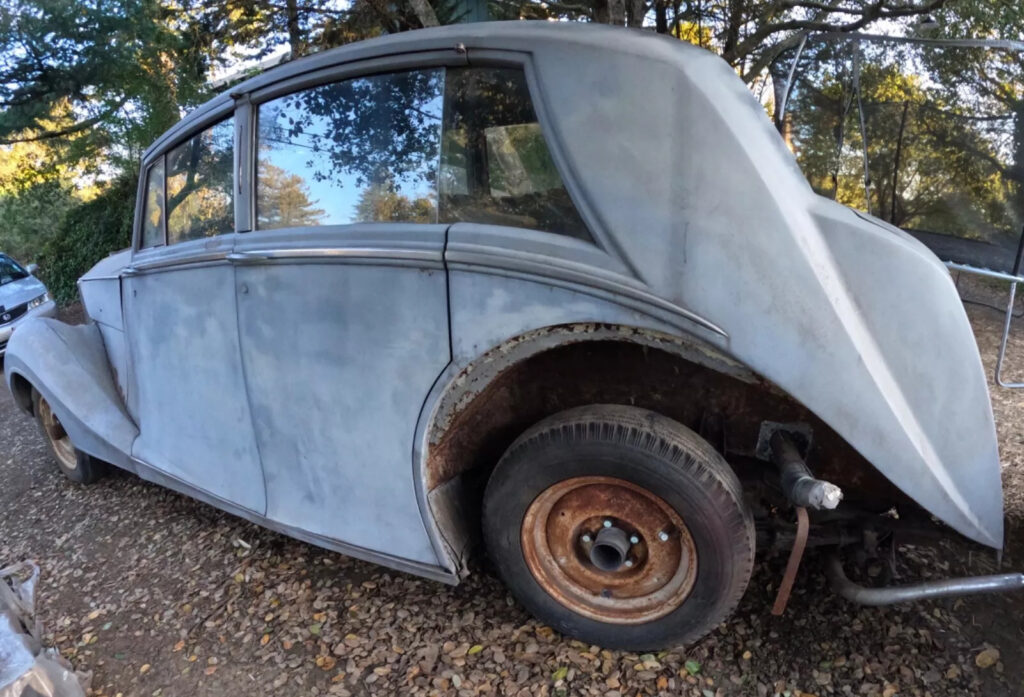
(222,368)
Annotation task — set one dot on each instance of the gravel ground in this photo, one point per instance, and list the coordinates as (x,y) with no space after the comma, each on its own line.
(157,594)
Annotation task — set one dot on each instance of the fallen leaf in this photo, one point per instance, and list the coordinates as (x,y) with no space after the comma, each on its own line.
(475,649)
(314,629)
(210,670)
(145,668)
(692,667)
(179,646)
(264,640)
(987,658)
(560,673)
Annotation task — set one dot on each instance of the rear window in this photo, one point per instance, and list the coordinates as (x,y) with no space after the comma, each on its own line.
(496,166)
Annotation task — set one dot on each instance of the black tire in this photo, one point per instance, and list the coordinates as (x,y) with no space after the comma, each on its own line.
(651,452)
(76,465)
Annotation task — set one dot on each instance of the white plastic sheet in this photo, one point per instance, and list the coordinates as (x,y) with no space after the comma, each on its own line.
(25,667)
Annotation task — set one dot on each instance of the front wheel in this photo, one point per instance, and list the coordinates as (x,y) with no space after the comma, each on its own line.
(620,527)
(76,465)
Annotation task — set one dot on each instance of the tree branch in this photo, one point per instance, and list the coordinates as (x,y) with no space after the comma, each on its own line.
(60,133)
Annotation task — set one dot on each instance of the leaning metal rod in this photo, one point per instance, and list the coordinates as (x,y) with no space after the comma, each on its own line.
(1009,319)
(861,595)
(789,83)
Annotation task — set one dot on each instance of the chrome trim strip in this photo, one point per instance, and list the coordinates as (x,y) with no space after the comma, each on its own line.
(574,275)
(436,573)
(337,253)
(203,258)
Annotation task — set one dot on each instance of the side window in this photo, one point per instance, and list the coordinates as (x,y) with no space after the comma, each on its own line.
(153,212)
(495,166)
(200,188)
(360,150)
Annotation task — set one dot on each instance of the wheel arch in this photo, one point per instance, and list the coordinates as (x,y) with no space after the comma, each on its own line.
(476,412)
(21,389)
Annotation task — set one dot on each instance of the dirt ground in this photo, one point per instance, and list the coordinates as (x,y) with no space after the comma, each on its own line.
(157,594)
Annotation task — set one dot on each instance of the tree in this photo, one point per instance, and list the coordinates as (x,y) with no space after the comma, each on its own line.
(284,199)
(750,34)
(122,68)
(379,202)
(941,156)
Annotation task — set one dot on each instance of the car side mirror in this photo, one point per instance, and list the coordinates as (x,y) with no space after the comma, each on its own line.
(32,268)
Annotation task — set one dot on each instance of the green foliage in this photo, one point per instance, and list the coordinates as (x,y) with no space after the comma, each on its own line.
(86,234)
(29,216)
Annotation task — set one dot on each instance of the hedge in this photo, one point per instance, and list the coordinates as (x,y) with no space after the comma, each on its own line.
(87,233)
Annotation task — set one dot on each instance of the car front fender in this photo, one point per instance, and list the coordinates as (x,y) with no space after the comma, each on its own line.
(68,366)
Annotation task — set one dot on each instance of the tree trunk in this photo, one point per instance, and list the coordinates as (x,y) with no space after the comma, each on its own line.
(637,12)
(617,12)
(732,30)
(295,42)
(424,13)
(660,17)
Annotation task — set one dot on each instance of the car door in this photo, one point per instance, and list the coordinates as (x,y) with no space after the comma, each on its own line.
(342,303)
(187,391)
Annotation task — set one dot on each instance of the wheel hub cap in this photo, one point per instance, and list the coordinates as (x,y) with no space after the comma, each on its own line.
(609,550)
(59,438)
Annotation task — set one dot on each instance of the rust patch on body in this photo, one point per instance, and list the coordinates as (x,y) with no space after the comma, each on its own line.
(497,403)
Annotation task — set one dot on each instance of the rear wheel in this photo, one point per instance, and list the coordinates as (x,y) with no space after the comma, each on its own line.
(620,527)
(76,465)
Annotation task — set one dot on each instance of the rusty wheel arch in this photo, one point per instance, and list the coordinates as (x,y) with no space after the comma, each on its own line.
(542,372)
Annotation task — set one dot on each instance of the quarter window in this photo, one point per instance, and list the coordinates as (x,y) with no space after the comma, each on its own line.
(153,212)
(361,150)
(199,188)
(495,166)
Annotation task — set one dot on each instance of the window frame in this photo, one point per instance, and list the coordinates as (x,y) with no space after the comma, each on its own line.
(319,79)
(179,134)
(243,107)
(160,161)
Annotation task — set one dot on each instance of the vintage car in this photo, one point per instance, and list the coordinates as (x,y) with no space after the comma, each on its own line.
(22,296)
(559,288)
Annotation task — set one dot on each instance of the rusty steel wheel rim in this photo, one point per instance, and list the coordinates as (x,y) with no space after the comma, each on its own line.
(59,438)
(609,550)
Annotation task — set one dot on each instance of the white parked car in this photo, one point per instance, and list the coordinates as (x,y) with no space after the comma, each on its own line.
(22,295)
